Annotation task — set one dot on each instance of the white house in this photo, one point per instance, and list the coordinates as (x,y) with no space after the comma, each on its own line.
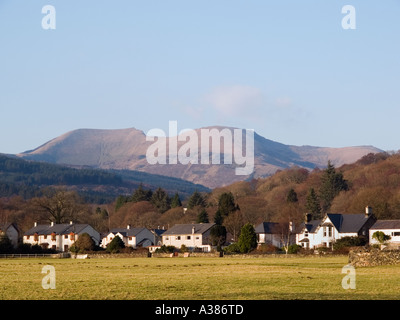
(11,231)
(274,233)
(132,237)
(334,226)
(59,237)
(191,235)
(388,227)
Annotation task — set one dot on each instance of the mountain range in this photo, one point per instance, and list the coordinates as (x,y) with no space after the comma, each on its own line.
(125,149)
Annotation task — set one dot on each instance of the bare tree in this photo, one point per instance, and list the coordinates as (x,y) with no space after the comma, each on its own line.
(285,232)
(234,223)
(60,206)
(285,227)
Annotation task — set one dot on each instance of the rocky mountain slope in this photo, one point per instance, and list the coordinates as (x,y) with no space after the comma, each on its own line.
(125,149)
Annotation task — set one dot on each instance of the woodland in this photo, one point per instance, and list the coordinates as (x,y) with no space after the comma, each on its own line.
(373,181)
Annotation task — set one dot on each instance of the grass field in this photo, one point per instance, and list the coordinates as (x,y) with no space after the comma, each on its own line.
(195,278)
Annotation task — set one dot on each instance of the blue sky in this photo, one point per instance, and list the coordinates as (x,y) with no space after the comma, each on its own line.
(286,69)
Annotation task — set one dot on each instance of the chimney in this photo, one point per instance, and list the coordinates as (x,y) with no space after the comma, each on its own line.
(368,211)
(52,224)
(71,222)
(291,226)
(35,224)
(307,217)
(128,226)
(193,230)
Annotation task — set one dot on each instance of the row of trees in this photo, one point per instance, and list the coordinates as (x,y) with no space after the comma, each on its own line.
(159,198)
(318,203)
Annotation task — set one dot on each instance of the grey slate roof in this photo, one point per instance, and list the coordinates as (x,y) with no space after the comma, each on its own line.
(311,226)
(63,228)
(158,232)
(199,228)
(131,232)
(386,224)
(267,227)
(344,223)
(347,223)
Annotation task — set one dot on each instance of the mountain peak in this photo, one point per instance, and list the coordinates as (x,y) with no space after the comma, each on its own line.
(126,149)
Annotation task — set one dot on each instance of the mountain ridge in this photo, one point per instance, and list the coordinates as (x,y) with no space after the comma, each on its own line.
(125,149)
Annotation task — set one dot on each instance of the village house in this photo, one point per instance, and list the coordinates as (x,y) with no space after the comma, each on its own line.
(334,226)
(269,233)
(11,231)
(307,237)
(191,235)
(388,227)
(158,235)
(158,239)
(132,237)
(59,237)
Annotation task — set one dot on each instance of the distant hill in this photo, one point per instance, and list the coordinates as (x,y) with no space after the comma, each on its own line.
(125,149)
(373,181)
(26,178)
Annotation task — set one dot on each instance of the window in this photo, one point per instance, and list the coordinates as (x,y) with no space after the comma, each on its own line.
(327,231)
(65,236)
(188,238)
(45,236)
(166,238)
(197,238)
(178,237)
(395,234)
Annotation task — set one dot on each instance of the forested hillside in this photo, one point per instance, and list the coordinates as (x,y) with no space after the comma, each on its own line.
(373,181)
(27,178)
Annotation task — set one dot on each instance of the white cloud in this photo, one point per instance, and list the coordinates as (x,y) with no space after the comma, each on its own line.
(236,100)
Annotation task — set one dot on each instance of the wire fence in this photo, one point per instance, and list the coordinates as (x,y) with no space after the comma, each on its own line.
(33,255)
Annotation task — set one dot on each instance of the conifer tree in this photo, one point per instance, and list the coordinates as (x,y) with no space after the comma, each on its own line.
(247,239)
(332,183)
(141,194)
(218,218)
(176,201)
(161,200)
(202,217)
(312,204)
(291,196)
(196,199)
(226,204)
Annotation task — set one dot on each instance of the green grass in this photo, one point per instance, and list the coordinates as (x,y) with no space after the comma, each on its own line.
(225,278)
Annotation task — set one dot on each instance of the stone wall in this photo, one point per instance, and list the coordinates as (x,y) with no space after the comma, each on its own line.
(370,257)
(103,255)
